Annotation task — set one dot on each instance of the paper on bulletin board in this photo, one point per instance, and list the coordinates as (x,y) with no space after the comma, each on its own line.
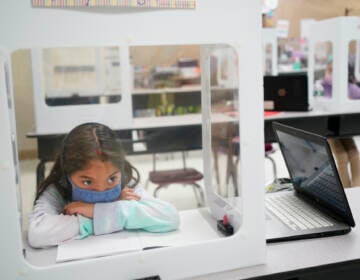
(162,4)
(282,28)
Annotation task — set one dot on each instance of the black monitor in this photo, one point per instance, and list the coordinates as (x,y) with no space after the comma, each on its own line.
(288,92)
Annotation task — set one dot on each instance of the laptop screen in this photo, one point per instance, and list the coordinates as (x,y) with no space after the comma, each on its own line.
(312,170)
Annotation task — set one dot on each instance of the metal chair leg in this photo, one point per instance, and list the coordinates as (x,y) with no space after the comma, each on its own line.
(273,165)
(196,196)
(158,188)
(201,193)
(216,167)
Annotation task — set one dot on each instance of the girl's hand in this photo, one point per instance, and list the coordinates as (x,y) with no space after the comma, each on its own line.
(79,207)
(128,194)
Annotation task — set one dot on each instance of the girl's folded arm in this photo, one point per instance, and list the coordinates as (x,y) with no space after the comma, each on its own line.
(148,213)
(47,226)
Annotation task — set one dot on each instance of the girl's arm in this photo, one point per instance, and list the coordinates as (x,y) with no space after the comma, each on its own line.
(148,213)
(48,226)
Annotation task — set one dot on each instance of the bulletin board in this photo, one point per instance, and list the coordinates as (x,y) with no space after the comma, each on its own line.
(163,4)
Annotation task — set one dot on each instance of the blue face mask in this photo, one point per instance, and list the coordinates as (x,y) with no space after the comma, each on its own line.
(90,196)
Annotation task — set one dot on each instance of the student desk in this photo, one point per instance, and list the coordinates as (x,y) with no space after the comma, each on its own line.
(337,123)
(179,133)
(330,258)
(197,225)
(162,134)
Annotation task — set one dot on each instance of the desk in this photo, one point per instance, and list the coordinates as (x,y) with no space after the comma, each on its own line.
(179,133)
(162,134)
(339,123)
(285,260)
(197,225)
(330,258)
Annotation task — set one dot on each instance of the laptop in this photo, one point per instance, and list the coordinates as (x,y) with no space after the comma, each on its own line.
(288,92)
(317,206)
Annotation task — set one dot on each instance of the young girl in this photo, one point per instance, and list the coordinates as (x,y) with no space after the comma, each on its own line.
(93,189)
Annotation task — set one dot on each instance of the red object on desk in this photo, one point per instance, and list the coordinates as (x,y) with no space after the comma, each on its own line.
(225,220)
(266,113)
(271,113)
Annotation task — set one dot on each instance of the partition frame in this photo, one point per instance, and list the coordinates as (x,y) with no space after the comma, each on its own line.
(32,27)
(339,31)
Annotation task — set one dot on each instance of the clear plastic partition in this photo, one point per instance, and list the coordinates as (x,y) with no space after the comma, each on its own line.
(225,121)
(357,60)
(81,75)
(291,55)
(166,81)
(353,70)
(8,88)
(268,63)
(323,69)
(94,121)
(164,137)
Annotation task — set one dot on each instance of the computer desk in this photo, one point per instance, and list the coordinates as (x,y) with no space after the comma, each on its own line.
(336,257)
(335,123)
(183,133)
(330,258)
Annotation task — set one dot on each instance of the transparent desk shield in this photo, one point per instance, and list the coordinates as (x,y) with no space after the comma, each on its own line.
(150,97)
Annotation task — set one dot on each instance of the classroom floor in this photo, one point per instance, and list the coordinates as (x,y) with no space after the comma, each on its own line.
(182,196)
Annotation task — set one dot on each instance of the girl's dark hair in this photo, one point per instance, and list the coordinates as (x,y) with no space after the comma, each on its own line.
(86,142)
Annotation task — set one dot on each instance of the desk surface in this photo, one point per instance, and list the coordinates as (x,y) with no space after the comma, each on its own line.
(196,119)
(281,257)
(197,225)
(305,254)
(163,121)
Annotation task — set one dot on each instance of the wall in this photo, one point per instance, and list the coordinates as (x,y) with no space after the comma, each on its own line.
(295,10)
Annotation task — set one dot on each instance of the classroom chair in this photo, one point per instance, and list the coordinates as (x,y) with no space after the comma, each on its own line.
(269,149)
(185,176)
(225,142)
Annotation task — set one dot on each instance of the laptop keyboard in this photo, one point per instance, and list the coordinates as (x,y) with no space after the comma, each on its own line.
(295,213)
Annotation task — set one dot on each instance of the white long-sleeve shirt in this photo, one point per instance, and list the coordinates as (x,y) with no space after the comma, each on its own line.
(49,227)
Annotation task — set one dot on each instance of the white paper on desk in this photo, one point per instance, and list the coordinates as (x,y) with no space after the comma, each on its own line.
(98,246)
(193,229)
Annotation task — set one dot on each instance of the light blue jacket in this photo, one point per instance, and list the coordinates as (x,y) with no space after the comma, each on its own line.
(49,227)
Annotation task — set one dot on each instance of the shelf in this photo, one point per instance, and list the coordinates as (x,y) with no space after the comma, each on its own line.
(178,120)
(74,68)
(317,68)
(194,88)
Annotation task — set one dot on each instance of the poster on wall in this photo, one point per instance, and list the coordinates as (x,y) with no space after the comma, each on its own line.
(282,28)
(163,4)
